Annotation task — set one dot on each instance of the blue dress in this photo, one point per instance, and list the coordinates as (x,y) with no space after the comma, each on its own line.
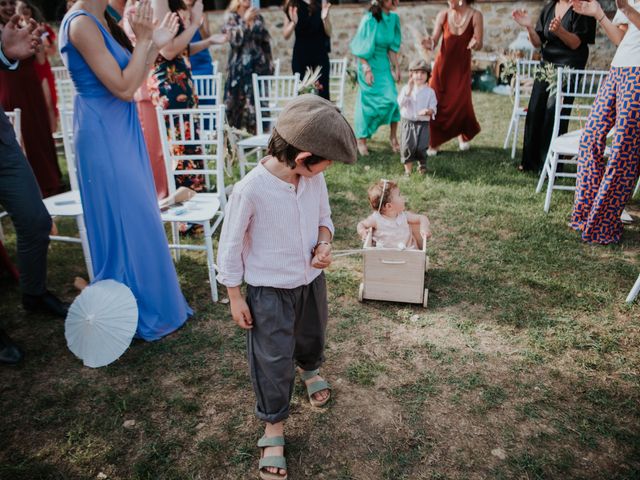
(126,237)
(201,62)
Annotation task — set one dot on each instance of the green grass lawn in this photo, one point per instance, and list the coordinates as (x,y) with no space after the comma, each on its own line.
(525,365)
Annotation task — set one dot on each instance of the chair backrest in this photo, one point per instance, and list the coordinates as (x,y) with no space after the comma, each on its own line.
(576,91)
(525,75)
(214,67)
(60,73)
(177,129)
(337,78)
(276,67)
(66,125)
(66,93)
(15,117)
(271,93)
(209,87)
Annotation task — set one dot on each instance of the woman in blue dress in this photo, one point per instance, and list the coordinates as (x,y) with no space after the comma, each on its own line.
(126,236)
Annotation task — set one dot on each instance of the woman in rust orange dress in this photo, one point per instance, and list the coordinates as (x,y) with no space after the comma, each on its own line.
(460,27)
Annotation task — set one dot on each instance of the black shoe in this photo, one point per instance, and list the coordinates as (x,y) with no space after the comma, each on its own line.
(46,303)
(10,353)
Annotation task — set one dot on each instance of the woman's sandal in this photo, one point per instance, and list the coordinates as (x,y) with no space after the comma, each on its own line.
(276,461)
(315,387)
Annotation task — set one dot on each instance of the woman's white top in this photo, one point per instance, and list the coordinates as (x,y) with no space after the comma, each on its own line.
(393,232)
(628,53)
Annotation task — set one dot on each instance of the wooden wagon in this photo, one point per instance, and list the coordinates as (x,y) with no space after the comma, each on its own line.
(394,274)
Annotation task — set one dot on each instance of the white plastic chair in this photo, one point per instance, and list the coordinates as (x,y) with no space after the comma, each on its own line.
(525,72)
(271,93)
(214,67)
(337,79)
(14,117)
(208,87)
(276,67)
(206,209)
(69,204)
(582,87)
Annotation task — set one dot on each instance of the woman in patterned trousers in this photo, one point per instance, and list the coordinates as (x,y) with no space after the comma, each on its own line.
(604,186)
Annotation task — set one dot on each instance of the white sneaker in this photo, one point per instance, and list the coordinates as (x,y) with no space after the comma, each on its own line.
(464,146)
(432,152)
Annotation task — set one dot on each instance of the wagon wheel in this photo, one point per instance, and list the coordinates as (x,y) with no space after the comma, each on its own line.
(425,298)
(426,263)
(361,292)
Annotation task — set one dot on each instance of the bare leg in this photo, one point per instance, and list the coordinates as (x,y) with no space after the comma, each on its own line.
(393,137)
(408,168)
(362,147)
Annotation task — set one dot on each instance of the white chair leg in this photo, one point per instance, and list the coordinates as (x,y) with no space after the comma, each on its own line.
(175,238)
(543,174)
(506,139)
(634,291)
(242,161)
(84,241)
(514,141)
(208,234)
(635,192)
(551,182)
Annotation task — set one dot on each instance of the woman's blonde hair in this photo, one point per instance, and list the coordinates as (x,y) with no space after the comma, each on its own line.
(233,6)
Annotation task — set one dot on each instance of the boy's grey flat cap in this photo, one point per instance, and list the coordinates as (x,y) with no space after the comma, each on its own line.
(312,124)
(419,65)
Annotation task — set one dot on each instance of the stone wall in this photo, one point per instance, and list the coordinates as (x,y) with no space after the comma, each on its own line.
(500,30)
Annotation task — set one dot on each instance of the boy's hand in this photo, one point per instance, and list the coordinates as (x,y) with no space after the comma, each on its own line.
(239,308)
(322,256)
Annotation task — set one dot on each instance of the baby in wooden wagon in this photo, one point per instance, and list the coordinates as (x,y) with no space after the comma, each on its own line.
(391,225)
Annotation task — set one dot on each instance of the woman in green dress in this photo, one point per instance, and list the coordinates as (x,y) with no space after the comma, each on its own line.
(376,45)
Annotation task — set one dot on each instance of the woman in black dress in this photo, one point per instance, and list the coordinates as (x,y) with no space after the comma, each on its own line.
(564,36)
(310,21)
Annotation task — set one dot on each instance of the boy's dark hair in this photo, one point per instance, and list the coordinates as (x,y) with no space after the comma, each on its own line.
(380,193)
(286,153)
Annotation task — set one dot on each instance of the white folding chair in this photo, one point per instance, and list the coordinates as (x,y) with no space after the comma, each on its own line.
(523,80)
(634,291)
(66,93)
(14,117)
(69,204)
(276,67)
(206,209)
(337,79)
(581,87)
(271,93)
(208,88)
(60,73)
(214,67)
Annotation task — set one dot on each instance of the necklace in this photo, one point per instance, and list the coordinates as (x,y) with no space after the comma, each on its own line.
(458,25)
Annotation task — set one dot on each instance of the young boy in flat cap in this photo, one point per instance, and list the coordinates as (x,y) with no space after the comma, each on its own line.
(276,236)
(418,105)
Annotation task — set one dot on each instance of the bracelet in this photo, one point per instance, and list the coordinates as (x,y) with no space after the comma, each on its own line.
(321,242)
(602,17)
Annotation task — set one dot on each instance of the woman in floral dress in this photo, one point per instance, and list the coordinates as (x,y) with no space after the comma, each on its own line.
(170,83)
(250,53)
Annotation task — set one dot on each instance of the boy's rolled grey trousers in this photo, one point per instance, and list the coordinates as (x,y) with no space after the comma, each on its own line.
(414,141)
(288,329)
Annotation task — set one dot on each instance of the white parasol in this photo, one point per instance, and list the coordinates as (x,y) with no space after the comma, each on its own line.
(101,323)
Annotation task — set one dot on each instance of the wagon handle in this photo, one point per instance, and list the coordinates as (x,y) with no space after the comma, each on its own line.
(394,262)
(367,240)
(424,243)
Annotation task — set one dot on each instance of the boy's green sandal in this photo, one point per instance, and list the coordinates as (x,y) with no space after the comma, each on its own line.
(315,387)
(277,461)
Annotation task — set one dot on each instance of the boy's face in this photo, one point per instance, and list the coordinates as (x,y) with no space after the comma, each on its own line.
(395,205)
(419,76)
(311,170)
